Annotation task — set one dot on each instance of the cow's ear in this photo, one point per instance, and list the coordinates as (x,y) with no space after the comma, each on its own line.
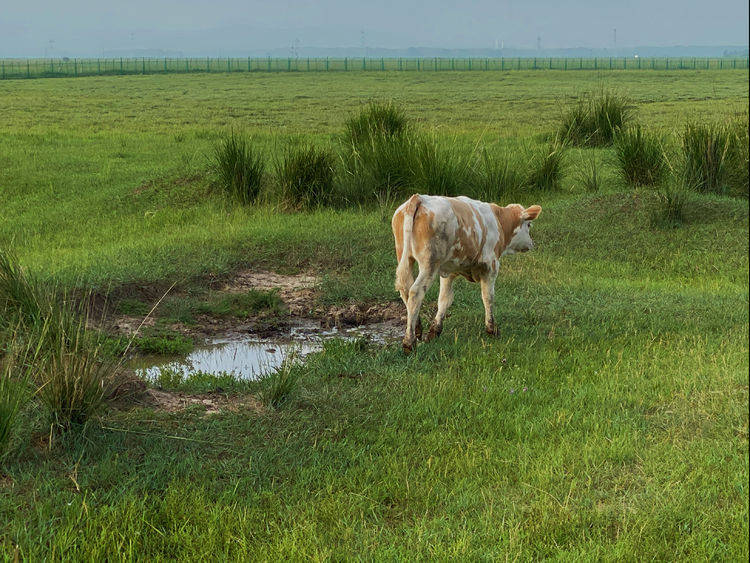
(532,212)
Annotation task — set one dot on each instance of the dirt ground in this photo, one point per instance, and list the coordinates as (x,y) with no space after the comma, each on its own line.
(298,292)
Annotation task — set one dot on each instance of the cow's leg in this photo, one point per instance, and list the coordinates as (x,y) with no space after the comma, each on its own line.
(416,296)
(488,297)
(405,297)
(444,301)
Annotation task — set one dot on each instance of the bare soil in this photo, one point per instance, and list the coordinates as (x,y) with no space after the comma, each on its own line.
(298,292)
(133,392)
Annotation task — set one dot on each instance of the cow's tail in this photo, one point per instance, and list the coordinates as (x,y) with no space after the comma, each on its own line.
(403,271)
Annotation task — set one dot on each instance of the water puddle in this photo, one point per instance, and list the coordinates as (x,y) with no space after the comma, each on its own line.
(248,357)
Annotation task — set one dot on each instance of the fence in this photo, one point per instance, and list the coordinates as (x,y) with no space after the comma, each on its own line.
(49,68)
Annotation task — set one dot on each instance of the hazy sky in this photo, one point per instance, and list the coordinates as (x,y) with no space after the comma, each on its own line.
(77,27)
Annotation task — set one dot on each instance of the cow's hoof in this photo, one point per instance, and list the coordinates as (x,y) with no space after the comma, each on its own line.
(491,330)
(433,333)
(408,347)
(418,330)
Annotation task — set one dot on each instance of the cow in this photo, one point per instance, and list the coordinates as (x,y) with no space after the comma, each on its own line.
(451,237)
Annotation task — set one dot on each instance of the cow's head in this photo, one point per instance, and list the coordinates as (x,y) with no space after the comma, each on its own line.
(521,239)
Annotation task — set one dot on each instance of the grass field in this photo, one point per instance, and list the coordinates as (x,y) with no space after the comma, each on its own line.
(608,421)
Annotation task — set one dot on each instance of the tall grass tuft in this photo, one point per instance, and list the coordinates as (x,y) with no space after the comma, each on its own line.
(14,392)
(380,167)
(547,164)
(68,364)
(440,168)
(377,119)
(74,374)
(596,119)
(280,385)
(672,197)
(715,156)
(306,176)
(495,177)
(239,168)
(20,297)
(589,175)
(640,157)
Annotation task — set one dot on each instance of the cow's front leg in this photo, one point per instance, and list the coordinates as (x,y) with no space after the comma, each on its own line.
(488,298)
(444,301)
(416,296)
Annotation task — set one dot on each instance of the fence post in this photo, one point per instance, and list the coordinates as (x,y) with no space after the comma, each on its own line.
(580,63)
(3,70)
(75,67)
(624,63)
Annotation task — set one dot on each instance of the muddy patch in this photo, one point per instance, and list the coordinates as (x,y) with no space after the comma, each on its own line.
(213,403)
(251,357)
(298,292)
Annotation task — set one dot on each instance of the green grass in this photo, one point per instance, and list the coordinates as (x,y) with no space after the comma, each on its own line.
(640,157)
(608,421)
(306,177)
(715,156)
(238,168)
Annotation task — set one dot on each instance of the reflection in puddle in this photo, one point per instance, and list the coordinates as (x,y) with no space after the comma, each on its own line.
(250,358)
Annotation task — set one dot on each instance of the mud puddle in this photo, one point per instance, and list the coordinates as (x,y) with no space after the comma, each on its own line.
(252,357)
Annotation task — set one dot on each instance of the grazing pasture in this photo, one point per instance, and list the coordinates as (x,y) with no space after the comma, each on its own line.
(608,420)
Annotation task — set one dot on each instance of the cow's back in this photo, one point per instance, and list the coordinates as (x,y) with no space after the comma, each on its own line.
(456,234)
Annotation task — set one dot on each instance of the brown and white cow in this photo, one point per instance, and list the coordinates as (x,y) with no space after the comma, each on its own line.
(450,237)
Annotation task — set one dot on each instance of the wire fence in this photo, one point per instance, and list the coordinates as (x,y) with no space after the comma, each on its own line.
(53,68)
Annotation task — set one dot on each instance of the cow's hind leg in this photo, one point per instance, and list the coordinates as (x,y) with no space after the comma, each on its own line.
(404,292)
(444,301)
(488,297)
(416,296)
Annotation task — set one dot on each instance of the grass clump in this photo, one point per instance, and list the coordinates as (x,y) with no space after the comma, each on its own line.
(163,342)
(75,376)
(716,157)
(546,167)
(589,175)
(378,119)
(379,153)
(439,168)
(671,197)
(239,168)
(640,157)
(493,178)
(279,385)
(201,382)
(21,299)
(243,305)
(306,176)
(69,365)
(14,392)
(596,119)
(379,168)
